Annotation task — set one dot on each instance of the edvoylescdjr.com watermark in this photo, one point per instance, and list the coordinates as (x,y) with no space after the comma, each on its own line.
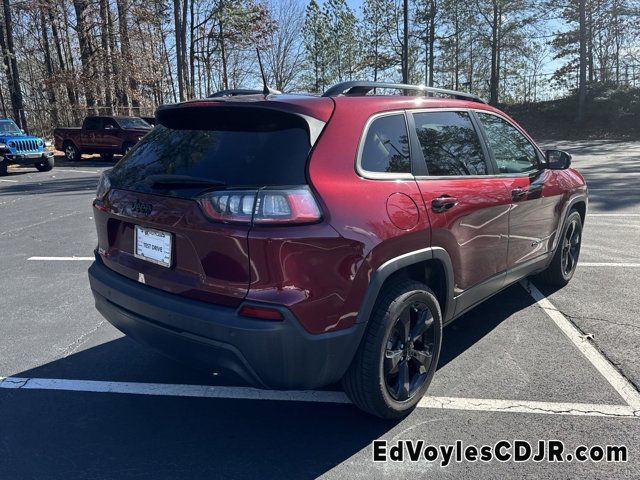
(502,451)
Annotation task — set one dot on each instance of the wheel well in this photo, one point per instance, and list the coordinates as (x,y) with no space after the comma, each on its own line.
(429,272)
(68,142)
(581,208)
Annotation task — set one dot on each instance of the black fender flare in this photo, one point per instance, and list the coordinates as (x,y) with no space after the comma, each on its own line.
(396,264)
(582,198)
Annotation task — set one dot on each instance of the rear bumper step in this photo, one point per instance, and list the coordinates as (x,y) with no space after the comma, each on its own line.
(266,354)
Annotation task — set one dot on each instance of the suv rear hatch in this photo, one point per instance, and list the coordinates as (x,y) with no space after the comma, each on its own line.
(175,213)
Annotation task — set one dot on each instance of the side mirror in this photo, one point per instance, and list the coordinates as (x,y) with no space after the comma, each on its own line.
(557,159)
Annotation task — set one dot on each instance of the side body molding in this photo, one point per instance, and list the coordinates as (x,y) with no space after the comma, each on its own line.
(398,263)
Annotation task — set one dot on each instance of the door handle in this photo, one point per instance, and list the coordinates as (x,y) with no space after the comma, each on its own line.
(519,192)
(443,203)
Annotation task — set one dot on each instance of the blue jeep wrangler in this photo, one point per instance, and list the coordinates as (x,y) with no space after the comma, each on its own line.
(22,149)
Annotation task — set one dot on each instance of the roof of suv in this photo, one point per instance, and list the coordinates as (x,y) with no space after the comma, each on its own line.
(321,108)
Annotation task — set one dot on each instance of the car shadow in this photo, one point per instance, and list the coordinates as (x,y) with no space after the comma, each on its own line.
(91,161)
(68,186)
(63,434)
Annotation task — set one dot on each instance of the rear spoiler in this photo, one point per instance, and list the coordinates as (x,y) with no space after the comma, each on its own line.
(223,115)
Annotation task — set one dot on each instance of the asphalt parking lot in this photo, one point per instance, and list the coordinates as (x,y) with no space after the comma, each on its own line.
(81,401)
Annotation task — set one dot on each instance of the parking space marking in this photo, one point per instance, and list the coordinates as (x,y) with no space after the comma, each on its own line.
(61,258)
(7,180)
(76,170)
(249,393)
(623,386)
(589,215)
(608,264)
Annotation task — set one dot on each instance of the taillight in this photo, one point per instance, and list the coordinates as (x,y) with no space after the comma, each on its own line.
(294,205)
(104,185)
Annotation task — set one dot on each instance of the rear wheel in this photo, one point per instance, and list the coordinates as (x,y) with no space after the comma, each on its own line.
(106,156)
(71,152)
(398,356)
(3,167)
(563,266)
(46,164)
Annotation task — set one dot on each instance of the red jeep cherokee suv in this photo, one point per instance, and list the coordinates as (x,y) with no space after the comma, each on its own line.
(297,240)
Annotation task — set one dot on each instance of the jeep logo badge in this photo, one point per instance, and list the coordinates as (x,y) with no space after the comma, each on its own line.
(142,208)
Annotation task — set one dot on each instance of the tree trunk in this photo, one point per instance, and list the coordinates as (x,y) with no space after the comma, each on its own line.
(15,90)
(71,94)
(178,38)
(80,7)
(106,55)
(405,42)
(116,64)
(432,40)
(582,83)
(51,94)
(494,80)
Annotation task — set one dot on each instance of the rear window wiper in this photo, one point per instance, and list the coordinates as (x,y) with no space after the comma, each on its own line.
(169,181)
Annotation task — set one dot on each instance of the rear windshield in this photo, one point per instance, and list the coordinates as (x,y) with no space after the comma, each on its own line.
(133,122)
(271,155)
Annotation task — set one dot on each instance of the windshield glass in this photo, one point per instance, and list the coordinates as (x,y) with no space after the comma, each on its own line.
(276,155)
(7,126)
(133,122)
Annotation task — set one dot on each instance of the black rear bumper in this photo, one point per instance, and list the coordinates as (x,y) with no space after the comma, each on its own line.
(267,354)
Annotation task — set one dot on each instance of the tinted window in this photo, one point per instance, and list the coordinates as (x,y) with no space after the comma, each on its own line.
(133,122)
(109,123)
(8,127)
(386,147)
(272,156)
(93,123)
(450,144)
(512,151)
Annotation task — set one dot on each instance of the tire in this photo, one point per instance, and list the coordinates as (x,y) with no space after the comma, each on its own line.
(3,167)
(106,156)
(369,380)
(46,165)
(71,152)
(563,265)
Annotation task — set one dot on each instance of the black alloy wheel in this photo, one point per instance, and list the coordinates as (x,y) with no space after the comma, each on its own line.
(571,246)
(409,351)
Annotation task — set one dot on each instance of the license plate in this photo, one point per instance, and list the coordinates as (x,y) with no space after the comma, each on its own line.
(153,246)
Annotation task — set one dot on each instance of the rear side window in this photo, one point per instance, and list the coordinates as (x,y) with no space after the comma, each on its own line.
(511,149)
(450,144)
(93,123)
(386,146)
(272,155)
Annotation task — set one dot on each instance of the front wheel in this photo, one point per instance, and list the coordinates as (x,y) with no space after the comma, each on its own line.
(46,164)
(71,152)
(563,266)
(398,355)
(107,157)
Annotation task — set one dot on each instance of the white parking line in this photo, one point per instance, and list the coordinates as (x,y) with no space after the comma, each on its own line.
(54,259)
(608,264)
(7,180)
(623,386)
(74,170)
(248,393)
(589,215)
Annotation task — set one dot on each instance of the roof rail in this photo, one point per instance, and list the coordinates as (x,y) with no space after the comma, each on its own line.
(234,92)
(362,88)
